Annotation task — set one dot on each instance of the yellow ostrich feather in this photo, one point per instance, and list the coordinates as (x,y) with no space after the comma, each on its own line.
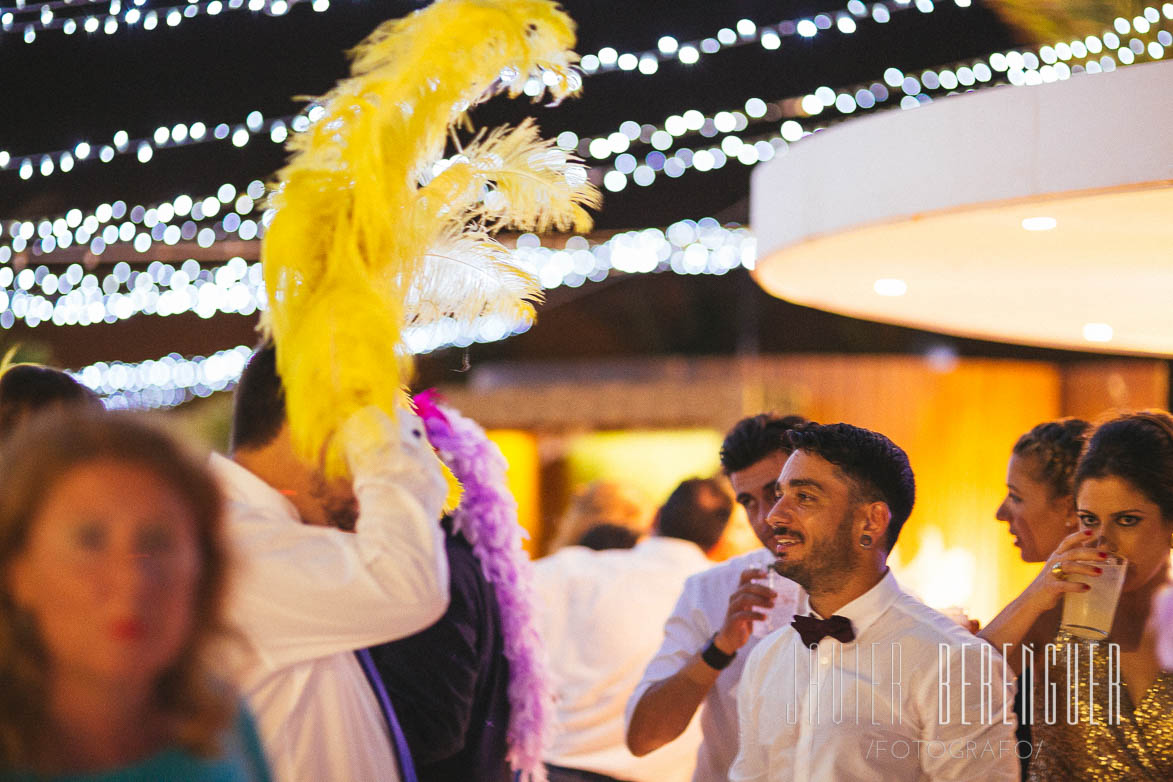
(1047,21)
(374,232)
(7,362)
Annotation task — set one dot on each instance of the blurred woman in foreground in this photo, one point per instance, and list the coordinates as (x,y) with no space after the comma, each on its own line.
(1124,502)
(112,575)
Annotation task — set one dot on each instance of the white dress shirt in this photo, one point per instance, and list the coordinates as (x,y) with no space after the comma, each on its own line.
(601,614)
(699,613)
(871,709)
(305,597)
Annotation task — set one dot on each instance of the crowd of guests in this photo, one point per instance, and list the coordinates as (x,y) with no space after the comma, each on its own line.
(170,615)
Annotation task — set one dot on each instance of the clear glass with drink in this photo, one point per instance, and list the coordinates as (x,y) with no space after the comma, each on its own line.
(1089,614)
(784,605)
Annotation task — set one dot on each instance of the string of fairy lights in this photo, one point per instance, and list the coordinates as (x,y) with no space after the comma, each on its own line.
(686,247)
(1096,54)
(235,213)
(1047,63)
(109,17)
(85,299)
(1029,67)
(44,294)
(753,132)
(256,125)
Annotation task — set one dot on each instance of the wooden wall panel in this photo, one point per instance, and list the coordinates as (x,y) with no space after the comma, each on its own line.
(521,452)
(1092,389)
(957,423)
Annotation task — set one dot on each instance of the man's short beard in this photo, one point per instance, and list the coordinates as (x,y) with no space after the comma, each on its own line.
(826,563)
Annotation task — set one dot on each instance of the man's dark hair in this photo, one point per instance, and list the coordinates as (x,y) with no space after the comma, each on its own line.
(753,439)
(258,406)
(877,467)
(26,389)
(697,510)
(607,536)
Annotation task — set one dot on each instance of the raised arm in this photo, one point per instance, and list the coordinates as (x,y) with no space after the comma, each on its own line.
(1023,620)
(307,591)
(678,679)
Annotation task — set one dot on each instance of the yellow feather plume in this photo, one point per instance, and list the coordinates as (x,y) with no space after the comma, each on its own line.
(1048,21)
(374,231)
(7,362)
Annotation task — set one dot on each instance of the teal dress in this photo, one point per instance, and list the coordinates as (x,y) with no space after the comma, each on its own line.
(241,761)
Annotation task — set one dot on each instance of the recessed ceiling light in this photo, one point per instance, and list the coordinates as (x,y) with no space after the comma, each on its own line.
(1097,332)
(890,287)
(1039,223)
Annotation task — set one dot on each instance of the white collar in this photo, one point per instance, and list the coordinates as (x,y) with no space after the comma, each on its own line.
(865,609)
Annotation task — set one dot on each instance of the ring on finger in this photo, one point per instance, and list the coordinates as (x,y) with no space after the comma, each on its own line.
(1058,572)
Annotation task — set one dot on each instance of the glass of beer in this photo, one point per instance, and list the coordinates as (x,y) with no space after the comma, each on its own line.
(1089,614)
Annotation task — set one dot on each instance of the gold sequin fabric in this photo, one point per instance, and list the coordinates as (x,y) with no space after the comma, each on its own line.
(1138,747)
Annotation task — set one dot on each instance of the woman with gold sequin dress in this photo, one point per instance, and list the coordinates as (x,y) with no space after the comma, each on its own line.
(1103,710)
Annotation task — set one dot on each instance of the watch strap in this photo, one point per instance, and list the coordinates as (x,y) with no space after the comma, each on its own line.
(714,657)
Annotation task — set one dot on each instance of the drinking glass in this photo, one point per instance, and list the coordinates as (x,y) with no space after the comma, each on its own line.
(1089,614)
(784,605)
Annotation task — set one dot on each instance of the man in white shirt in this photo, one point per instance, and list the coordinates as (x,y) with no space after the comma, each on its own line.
(872,684)
(601,614)
(307,594)
(711,631)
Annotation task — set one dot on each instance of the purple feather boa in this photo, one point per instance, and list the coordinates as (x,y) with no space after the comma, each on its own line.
(487,517)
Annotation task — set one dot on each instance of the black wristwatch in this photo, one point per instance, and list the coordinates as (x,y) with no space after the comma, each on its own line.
(714,657)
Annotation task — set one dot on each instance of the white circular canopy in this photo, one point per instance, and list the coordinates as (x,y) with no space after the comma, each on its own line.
(1038,215)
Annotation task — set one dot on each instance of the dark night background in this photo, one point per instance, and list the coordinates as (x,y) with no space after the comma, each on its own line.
(62,89)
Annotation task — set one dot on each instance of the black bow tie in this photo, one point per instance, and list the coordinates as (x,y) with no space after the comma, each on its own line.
(813,630)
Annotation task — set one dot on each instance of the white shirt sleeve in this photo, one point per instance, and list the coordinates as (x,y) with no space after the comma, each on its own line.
(752,762)
(306,592)
(685,633)
(985,748)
